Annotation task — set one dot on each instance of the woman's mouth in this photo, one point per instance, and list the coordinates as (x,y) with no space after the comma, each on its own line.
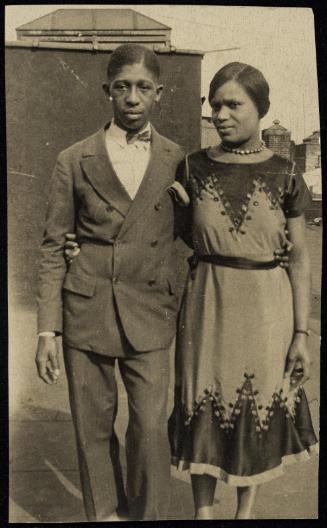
(225,128)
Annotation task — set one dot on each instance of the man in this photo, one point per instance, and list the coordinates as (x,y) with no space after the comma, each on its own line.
(117,301)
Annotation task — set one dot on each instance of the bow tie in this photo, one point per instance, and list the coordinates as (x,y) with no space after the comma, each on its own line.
(139,136)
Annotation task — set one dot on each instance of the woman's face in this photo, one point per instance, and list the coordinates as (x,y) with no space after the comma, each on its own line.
(235,115)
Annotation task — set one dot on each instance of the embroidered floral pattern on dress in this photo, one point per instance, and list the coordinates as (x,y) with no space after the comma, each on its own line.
(246,401)
(213,186)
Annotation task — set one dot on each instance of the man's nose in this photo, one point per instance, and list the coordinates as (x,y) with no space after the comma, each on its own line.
(132,96)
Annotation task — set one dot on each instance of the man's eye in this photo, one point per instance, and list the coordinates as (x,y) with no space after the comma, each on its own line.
(234,104)
(145,87)
(120,86)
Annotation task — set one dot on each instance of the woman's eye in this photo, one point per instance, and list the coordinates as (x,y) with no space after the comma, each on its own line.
(234,104)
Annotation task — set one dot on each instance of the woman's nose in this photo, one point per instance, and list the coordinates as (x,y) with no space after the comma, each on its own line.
(221,114)
(132,96)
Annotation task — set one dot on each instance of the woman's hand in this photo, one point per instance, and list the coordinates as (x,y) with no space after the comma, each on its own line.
(298,361)
(72,248)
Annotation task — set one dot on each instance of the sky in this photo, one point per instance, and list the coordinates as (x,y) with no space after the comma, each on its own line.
(279,41)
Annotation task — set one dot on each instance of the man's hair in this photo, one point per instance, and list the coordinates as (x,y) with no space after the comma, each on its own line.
(251,80)
(133,54)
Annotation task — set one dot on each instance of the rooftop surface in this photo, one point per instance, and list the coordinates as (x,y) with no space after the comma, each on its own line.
(93,19)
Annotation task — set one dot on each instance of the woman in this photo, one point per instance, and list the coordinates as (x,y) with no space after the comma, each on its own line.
(240,409)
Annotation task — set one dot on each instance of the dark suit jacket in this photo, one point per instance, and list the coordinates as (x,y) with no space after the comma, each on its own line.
(126,266)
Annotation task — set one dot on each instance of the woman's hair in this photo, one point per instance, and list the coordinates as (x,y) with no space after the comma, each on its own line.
(251,80)
(133,54)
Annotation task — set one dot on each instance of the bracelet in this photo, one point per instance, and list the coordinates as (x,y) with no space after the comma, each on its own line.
(302,332)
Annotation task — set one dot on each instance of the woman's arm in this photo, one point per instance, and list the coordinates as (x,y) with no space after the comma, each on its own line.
(300,278)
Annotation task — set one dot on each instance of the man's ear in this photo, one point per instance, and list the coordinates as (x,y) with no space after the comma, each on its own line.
(159,91)
(106,89)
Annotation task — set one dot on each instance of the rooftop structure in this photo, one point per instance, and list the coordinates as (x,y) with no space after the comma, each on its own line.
(107,26)
(278,139)
(314,138)
(276,129)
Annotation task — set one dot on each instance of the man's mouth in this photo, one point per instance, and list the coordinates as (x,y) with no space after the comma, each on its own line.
(133,115)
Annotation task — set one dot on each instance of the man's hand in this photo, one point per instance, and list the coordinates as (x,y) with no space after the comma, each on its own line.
(298,361)
(47,360)
(72,248)
(282,254)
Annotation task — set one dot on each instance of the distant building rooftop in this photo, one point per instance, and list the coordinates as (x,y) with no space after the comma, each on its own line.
(313,138)
(111,26)
(275,130)
(92,19)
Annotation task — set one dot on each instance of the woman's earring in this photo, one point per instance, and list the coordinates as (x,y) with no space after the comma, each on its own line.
(110,98)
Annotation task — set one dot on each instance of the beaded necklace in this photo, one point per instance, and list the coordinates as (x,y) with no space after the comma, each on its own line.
(243,152)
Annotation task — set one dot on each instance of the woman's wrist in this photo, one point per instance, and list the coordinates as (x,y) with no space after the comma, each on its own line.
(301,331)
(301,335)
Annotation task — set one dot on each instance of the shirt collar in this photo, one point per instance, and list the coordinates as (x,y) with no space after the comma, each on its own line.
(117,134)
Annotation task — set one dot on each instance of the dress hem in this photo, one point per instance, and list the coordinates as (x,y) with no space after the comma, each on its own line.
(237,480)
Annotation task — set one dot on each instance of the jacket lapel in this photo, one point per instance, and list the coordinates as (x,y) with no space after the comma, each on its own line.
(153,181)
(101,175)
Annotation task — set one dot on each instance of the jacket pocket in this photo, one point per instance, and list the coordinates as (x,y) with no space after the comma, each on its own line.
(82,285)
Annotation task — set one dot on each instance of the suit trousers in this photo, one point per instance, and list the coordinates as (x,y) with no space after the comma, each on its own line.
(93,400)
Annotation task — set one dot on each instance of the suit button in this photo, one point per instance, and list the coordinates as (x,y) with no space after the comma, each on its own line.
(158,206)
(115,280)
(154,243)
(151,282)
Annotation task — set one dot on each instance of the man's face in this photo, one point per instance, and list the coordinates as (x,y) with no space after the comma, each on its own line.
(134,90)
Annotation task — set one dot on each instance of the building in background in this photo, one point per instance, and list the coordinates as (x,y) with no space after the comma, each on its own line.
(313,181)
(278,139)
(308,154)
(307,157)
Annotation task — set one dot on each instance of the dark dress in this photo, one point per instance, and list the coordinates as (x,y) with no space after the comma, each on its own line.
(235,417)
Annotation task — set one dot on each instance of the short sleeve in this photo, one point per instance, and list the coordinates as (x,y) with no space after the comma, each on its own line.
(298,197)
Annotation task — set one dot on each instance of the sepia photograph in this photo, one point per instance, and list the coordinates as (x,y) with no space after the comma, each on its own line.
(164,184)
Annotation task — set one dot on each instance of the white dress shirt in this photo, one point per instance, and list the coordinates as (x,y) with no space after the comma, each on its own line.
(129,160)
